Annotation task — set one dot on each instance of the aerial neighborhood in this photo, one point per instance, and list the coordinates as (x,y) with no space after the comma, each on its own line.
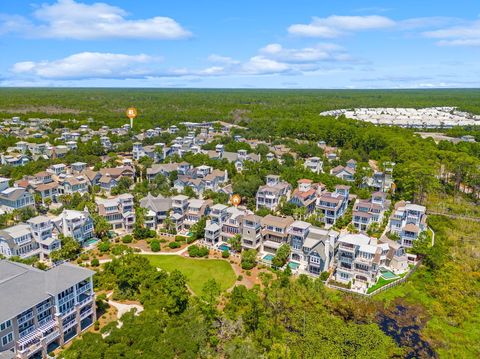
(328,216)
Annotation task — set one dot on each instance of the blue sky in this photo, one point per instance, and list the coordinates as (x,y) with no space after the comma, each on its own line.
(248,44)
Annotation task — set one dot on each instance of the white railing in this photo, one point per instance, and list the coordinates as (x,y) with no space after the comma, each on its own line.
(84,288)
(66,299)
(44,307)
(27,331)
(70,311)
(29,348)
(45,321)
(52,336)
(86,313)
(70,324)
(85,301)
(24,318)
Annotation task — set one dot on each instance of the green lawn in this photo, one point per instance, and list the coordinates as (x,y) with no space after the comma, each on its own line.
(380,283)
(197,271)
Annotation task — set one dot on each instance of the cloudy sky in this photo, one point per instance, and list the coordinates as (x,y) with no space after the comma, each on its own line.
(247,43)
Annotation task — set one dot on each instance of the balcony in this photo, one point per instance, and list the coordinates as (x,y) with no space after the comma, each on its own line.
(68,312)
(84,288)
(69,325)
(361,259)
(29,348)
(24,318)
(347,247)
(48,320)
(27,332)
(362,271)
(43,307)
(66,299)
(51,337)
(297,231)
(85,301)
(344,269)
(86,313)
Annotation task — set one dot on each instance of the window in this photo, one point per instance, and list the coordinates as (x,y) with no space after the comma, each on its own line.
(7,339)
(5,325)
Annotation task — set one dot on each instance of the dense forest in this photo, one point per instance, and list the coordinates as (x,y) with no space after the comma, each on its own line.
(159,107)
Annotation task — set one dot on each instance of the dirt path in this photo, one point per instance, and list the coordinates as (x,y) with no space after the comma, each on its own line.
(123,308)
(177,253)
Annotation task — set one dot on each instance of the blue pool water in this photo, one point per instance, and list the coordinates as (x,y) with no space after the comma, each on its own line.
(293,265)
(90,242)
(268,257)
(224,247)
(386,274)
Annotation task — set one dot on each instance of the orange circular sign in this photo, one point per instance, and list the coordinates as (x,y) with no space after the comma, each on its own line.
(131,112)
(235,200)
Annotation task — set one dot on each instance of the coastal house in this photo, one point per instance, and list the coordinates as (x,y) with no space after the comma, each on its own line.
(42,310)
(270,195)
(333,205)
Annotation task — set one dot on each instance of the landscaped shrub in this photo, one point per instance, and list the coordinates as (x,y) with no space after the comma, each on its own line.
(249,259)
(179,239)
(120,249)
(281,256)
(240,278)
(84,256)
(196,251)
(79,260)
(95,262)
(191,239)
(225,254)
(143,233)
(104,247)
(127,239)
(324,276)
(155,246)
(174,245)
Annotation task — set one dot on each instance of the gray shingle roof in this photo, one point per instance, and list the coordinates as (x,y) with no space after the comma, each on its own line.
(23,286)
(156,204)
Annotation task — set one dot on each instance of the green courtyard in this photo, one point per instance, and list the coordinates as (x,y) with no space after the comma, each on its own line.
(197,271)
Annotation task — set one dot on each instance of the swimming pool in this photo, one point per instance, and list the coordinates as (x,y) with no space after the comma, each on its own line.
(386,274)
(224,247)
(268,257)
(293,265)
(90,242)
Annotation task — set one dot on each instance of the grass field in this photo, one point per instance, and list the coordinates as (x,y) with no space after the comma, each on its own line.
(197,271)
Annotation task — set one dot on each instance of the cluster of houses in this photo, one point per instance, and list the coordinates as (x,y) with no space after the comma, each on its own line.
(59,304)
(314,249)
(431,117)
(39,235)
(60,179)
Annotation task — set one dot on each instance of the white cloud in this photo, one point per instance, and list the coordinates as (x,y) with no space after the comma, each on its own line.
(335,26)
(461,35)
(271,59)
(88,65)
(69,19)
(222,59)
(261,65)
(319,52)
